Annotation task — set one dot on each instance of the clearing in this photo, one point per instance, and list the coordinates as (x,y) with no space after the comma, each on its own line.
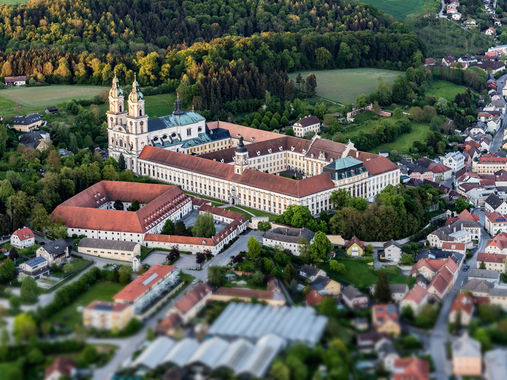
(101,291)
(399,9)
(444,89)
(404,142)
(23,100)
(345,85)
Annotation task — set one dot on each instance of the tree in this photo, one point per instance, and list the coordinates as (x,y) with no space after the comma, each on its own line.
(254,247)
(406,259)
(279,371)
(322,57)
(24,327)
(124,274)
(53,161)
(204,226)
(327,306)
(40,218)
(89,355)
(118,205)
(336,266)
(258,278)
(180,229)
(150,334)
(310,84)
(216,275)
(339,198)
(304,247)
(289,273)
(7,271)
(200,258)
(29,291)
(368,250)
(134,206)
(320,248)
(122,165)
(13,254)
(460,205)
(482,265)
(168,228)
(173,254)
(382,291)
(264,226)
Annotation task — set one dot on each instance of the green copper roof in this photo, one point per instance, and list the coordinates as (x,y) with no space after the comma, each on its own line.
(343,163)
(189,117)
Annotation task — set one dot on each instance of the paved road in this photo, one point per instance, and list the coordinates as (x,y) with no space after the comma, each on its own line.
(496,143)
(439,335)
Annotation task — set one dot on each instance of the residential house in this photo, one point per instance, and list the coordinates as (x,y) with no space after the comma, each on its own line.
(61,367)
(498,244)
(450,246)
(310,272)
(305,125)
(454,160)
(411,369)
(498,296)
(495,204)
(193,302)
(466,357)
(270,297)
(392,251)
(313,298)
(492,261)
(490,31)
(441,273)
(387,354)
(385,319)
(354,247)
(495,223)
(287,238)
(484,274)
(495,364)
(447,61)
(462,307)
(325,286)
(22,238)
(51,110)
(478,288)
(169,324)
(19,80)
(27,123)
(353,298)
(416,298)
(36,268)
(370,341)
(398,291)
(55,252)
(38,140)
(107,315)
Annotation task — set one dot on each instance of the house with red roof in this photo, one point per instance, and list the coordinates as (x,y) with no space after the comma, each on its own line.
(192,302)
(462,308)
(385,319)
(411,369)
(498,244)
(313,298)
(495,223)
(492,261)
(416,298)
(440,272)
(451,246)
(354,247)
(22,238)
(61,367)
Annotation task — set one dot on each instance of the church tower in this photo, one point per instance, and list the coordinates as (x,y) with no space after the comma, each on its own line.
(240,157)
(137,120)
(116,114)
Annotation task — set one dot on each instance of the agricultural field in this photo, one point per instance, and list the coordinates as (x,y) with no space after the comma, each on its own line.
(24,100)
(399,9)
(345,85)
(444,89)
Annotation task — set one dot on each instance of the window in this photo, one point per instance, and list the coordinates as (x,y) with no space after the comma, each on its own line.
(189,131)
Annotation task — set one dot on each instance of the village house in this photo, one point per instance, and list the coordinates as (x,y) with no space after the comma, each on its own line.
(411,368)
(19,80)
(454,160)
(353,298)
(36,268)
(466,357)
(478,288)
(450,246)
(193,302)
(495,223)
(385,319)
(354,247)
(498,244)
(27,123)
(416,298)
(492,261)
(107,315)
(22,238)
(310,272)
(38,140)
(462,308)
(270,297)
(498,297)
(288,238)
(495,204)
(370,341)
(326,286)
(313,298)
(60,368)
(305,125)
(484,274)
(392,251)
(55,252)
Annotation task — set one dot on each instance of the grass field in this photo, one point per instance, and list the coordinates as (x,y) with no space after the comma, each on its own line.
(444,89)
(399,9)
(345,85)
(101,291)
(23,100)
(159,105)
(404,142)
(12,2)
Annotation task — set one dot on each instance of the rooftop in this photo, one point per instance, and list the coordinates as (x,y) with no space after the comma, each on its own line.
(108,244)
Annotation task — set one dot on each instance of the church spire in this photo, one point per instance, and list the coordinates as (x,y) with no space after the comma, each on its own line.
(136,93)
(116,90)
(178,107)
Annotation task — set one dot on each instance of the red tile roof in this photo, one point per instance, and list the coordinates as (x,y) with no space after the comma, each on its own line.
(438,168)
(499,241)
(24,233)
(464,303)
(496,258)
(114,307)
(176,239)
(495,217)
(466,215)
(490,157)
(194,296)
(353,240)
(249,134)
(383,313)
(411,369)
(143,283)
(379,165)
(223,212)
(416,294)
(81,211)
(245,293)
(451,246)
(63,365)
(171,321)
(313,298)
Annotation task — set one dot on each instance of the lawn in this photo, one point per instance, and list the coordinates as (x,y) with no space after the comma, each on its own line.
(404,142)
(159,105)
(23,100)
(399,9)
(345,85)
(236,209)
(444,89)
(360,273)
(6,368)
(101,291)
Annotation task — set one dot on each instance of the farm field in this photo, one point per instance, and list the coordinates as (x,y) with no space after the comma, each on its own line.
(404,142)
(399,9)
(345,85)
(444,89)
(23,100)
(101,291)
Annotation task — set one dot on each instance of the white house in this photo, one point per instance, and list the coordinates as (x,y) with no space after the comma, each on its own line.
(392,251)
(22,238)
(287,238)
(454,160)
(305,125)
(494,203)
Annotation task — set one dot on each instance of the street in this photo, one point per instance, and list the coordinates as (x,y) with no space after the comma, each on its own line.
(496,143)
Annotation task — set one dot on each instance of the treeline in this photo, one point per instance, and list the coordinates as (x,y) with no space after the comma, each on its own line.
(386,131)
(473,77)
(114,27)
(397,212)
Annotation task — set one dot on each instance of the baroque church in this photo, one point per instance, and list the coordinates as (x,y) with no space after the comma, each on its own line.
(130,129)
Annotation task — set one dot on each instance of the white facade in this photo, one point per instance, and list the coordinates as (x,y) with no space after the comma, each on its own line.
(392,253)
(455,161)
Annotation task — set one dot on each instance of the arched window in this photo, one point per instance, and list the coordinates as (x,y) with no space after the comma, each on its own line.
(140,112)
